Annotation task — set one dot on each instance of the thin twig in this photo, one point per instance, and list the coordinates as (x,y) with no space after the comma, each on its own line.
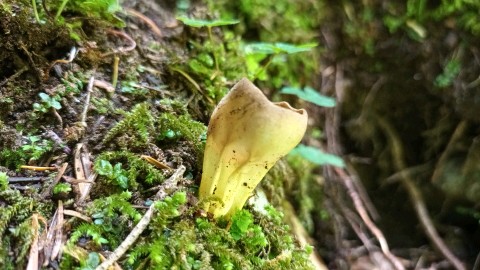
(83,119)
(76,214)
(357,202)
(193,82)
(355,223)
(58,232)
(48,191)
(20,179)
(362,193)
(57,116)
(37,168)
(169,185)
(49,239)
(108,87)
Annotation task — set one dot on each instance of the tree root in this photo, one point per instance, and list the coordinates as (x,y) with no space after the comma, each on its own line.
(415,195)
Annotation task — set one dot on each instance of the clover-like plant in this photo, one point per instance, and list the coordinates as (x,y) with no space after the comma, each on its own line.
(246,136)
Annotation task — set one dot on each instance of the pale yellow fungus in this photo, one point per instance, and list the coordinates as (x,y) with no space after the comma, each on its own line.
(247,134)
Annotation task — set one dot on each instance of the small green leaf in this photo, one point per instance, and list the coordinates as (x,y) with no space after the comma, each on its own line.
(317,156)
(55,104)
(122,181)
(241,221)
(44,97)
(277,48)
(180,198)
(309,94)
(104,168)
(291,48)
(93,260)
(206,23)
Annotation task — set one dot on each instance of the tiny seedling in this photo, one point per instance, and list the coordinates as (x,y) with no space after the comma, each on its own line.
(47,102)
(114,174)
(35,147)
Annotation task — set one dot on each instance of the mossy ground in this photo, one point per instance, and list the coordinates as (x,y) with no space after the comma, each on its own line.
(412,65)
(166,90)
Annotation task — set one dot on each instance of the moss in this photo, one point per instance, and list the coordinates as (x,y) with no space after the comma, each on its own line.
(12,159)
(260,22)
(177,240)
(253,242)
(171,127)
(16,217)
(134,131)
(296,179)
(138,171)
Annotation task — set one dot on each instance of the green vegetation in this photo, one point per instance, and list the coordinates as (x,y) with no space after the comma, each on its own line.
(3,181)
(136,171)
(62,188)
(103,11)
(136,121)
(311,95)
(213,62)
(35,147)
(317,156)
(138,124)
(19,209)
(114,174)
(449,74)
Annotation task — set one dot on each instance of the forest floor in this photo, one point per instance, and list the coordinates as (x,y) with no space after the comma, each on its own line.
(104,111)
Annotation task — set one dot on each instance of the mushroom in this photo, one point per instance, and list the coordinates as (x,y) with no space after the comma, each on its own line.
(246,136)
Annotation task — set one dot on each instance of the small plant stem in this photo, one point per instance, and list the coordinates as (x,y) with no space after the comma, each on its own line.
(215,59)
(60,9)
(35,11)
(262,69)
(116,60)
(57,115)
(192,81)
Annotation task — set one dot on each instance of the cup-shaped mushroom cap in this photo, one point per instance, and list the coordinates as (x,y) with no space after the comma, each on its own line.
(246,135)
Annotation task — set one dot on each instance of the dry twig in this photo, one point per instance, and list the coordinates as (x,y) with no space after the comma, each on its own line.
(47,192)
